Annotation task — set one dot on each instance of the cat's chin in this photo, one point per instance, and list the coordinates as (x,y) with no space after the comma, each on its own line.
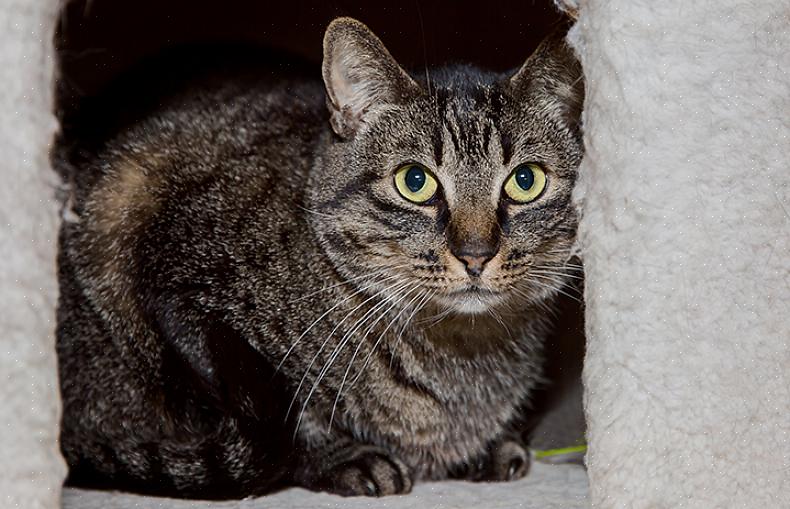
(471,301)
(471,307)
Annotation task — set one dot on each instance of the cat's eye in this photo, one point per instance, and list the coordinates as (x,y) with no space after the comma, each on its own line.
(415,183)
(526,183)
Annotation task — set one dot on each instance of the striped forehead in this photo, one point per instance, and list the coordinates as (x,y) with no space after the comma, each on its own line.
(469,132)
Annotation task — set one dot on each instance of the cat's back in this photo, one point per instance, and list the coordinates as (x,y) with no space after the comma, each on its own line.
(169,170)
(242,136)
(192,136)
(180,170)
(191,111)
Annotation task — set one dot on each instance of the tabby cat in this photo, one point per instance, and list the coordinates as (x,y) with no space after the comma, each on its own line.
(344,287)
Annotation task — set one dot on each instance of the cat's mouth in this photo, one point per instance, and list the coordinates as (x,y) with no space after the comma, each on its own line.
(471,299)
(472,289)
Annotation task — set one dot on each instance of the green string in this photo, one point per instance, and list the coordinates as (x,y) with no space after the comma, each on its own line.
(556,452)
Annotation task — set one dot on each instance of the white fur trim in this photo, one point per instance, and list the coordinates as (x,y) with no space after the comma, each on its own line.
(685,194)
(31,469)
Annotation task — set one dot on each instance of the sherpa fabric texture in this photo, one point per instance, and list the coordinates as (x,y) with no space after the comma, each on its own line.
(546,487)
(685,235)
(31,470)
(685,194)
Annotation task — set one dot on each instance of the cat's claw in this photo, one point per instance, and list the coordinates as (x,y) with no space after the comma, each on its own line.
(367,471)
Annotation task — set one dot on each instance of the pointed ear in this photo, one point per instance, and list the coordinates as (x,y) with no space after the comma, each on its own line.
(552,75)
(360,74)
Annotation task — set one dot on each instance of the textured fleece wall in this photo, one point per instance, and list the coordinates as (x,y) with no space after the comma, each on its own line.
(31,470)
(686,238)
(685,194)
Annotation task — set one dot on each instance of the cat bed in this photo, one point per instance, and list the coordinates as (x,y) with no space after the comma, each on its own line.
(685,202)
(546,487)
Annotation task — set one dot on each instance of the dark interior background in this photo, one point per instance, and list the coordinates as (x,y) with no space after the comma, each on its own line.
(99,40)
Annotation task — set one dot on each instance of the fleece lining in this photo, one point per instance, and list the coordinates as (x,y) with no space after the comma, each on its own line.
(685,236)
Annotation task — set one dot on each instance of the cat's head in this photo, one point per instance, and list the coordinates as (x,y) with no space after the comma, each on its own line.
(452,188)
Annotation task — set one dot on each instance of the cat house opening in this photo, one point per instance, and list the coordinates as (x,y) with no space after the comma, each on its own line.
(134,49)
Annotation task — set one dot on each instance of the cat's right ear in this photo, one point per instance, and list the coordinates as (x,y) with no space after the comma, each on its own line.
(360,74)
(552,75)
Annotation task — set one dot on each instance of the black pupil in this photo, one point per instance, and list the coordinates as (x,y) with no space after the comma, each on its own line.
(415,178)
(525,178)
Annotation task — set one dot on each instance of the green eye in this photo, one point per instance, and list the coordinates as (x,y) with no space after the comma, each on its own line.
(415,183)
(526,183)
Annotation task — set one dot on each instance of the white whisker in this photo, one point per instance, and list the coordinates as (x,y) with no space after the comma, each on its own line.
(417,308)
(349,281)
(537,270)
(414,286)
(326,341)
(326,313)
(557,288)
(499,320)
(333,356)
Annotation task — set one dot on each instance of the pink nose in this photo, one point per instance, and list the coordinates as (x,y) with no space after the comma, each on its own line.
(474,264)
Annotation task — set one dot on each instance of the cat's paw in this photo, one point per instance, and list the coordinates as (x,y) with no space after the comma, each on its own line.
(507,461)
(365,471)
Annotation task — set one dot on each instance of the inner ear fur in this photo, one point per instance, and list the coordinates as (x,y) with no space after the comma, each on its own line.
(552,72)
(360,74)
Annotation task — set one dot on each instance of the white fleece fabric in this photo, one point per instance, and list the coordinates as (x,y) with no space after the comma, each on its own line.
(685,236)
(546,487)
(31,469)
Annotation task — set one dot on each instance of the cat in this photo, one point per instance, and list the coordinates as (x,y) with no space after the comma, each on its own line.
(342,287)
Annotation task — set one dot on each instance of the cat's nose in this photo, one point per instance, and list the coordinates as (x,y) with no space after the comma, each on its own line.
(474,264)
(473,238)
(474,254)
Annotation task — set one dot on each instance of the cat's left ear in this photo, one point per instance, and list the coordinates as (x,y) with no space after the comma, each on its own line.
(552,75)
(360,74)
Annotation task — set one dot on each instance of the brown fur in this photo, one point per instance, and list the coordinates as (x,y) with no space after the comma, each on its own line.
(249,303)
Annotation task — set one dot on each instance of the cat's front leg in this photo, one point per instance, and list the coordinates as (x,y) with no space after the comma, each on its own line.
(505,460)
(508,460)
(349,468)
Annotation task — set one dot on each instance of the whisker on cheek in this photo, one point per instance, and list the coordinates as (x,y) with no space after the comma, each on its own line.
(321,349)
(554,273)
(382,335)
(350,280)
(407,287)
(358,291)
(426,295)
(553,288)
